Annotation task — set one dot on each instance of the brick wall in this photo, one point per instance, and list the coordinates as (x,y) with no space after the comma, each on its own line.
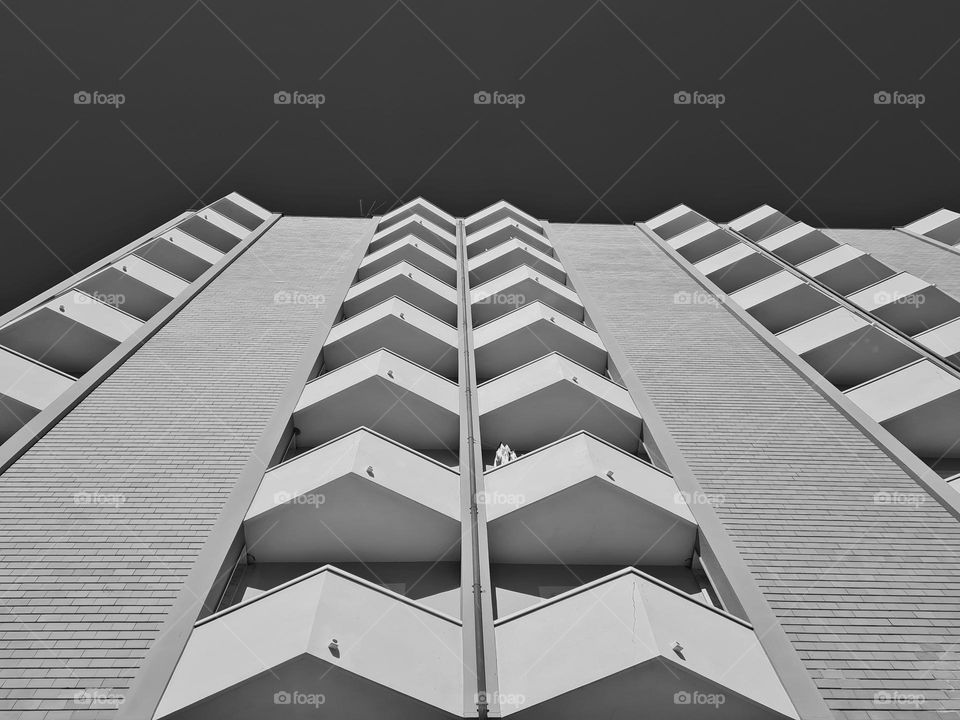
(101,520)
(866,585)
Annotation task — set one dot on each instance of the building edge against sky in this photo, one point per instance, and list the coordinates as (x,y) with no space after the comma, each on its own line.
(249,469)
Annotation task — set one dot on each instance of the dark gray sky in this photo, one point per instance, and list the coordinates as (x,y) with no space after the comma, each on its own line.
(598,137)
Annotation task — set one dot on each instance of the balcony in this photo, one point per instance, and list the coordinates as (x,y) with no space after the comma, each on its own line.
(414,251)
(781,301)
(26,388)
(846,269)
(134,285)
(509,255)
(497,212)
(702,241)
(441,239)
(71,333)
(529,333)
(908,303)
(943,226)
(520,287)
(760,223)
(214,229)
(393,657)
(388,394)
(329,505)
(919,404)
(581,501)
(503,231)
(675,221)
(241,211)
(420,208)
(736,267)
(179,254)
(551,398)
(629,641)
(409,283)
(399,327)
(798,243)
(943,340)
(846,349)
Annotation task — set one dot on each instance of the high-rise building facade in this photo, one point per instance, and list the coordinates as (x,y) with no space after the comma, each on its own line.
(420,466)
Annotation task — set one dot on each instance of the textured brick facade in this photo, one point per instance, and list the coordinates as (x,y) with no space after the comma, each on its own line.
(858,562)
(102,519)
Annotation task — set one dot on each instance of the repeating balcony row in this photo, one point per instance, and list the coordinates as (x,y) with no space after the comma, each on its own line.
(334,643)
(942,226)
(915,398)
(46,348)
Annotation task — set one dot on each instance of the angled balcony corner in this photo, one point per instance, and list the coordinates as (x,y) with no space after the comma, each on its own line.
(629,641)
(760,223)
(675,221)
(944,340)
(503,231)
(415,252)
(582,501)
(919,404)
(26,388)
(702,241)
(517,288)
(241,211)
(846,349)
(908,303)
(178,255)
(736,267)
(499,211)
(845,269)
(942,226)
(329,504)
(798,243)
(421,208)
(387,393)
(550,398)
(70,333)
(530,332)
(408,283)
(313,637)
(509,255)
(443,240)
(213,229)
(782,300)
(400,327)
